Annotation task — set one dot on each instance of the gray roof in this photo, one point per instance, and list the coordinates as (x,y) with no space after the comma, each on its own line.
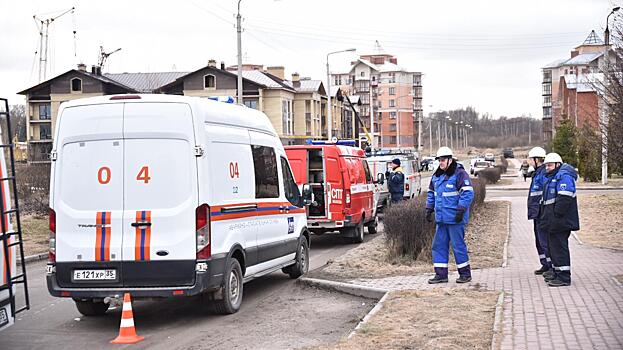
(145,82)
(260,78)
(584,83)
(309,86)
(584,58)
(555,64)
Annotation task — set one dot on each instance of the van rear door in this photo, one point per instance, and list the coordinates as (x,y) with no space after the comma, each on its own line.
(87,195)
(160,195)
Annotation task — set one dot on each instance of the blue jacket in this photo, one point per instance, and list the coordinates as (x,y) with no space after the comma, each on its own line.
(536,192)
(396,184)
(448,192)
(559,205)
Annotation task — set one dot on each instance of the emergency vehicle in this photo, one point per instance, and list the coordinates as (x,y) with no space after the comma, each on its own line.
(379,162)
(11,246)
(164,196)
(342,186)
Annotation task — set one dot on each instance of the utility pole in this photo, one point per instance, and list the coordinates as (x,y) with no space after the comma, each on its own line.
(43,25)
(239,37)
(529,132)
(438,134)
(430,135)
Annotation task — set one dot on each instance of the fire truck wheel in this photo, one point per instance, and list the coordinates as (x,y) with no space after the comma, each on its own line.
(358,232)
(91,308)
(373,225)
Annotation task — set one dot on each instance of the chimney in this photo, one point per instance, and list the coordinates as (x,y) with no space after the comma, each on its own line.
(393,60)
(278,71)
(212,63)
(574,53)
(82,67)
(296,77)
(97,70)
(222,65)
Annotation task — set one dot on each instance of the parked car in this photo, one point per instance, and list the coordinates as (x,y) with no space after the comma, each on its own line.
(168,196)
(490,157)
(508,153)
(379,162)
(478,166)
(342,186)
(427,163)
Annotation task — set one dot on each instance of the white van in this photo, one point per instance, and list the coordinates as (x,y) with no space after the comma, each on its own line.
(379,162)
(165,196)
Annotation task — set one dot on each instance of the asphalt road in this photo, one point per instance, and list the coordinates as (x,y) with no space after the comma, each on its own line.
(276,312)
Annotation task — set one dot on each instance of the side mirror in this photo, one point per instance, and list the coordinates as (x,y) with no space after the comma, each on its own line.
(307,195)
(380,178)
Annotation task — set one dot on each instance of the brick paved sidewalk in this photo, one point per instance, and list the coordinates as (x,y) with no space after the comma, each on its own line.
(586,315)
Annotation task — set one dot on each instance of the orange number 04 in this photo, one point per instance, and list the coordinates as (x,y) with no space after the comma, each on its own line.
(233,170)
(104,175)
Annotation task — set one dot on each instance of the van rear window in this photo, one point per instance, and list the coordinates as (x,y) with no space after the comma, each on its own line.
(266,177)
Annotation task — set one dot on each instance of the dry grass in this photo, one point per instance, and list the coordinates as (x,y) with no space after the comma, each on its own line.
(485,237)
(35,231)
(615,182)
(502,182)
(460,319)
(598,226)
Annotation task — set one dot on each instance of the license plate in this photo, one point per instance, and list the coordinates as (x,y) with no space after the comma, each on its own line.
(4,318)
(95,275)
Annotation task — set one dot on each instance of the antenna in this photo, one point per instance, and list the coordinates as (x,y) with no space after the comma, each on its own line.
(104,56)
(43,25)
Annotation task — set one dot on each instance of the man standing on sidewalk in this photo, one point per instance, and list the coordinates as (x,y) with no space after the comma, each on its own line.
(396,181)
(450,194)
(537,155)
(559,216)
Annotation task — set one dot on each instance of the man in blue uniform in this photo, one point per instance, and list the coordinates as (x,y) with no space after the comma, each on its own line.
(450,195)
(558,216)
(396,181)
(536,156)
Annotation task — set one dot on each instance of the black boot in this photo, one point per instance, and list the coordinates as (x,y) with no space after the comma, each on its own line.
(464,279)
(558,283)
(438,279)
(541,270)
(549,275)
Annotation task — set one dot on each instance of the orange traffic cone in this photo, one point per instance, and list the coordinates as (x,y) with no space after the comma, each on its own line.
(127,332)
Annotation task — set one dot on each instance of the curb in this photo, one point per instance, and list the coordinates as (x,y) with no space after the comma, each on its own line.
(508,235)
(33,258)
(577,237)
(352,289)
(372,312)
(496,341)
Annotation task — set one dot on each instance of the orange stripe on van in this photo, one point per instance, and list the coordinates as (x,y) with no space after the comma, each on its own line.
(142,239)
(102,236)
(98,237)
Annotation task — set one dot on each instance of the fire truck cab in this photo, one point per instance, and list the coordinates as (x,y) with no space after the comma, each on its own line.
(342,187)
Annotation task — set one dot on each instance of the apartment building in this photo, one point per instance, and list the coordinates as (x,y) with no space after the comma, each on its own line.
(390,97)
(569,87)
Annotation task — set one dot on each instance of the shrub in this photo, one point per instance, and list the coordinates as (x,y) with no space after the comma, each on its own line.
(407,233)
(503,164)
(33,188)
(490,175)
(480,192)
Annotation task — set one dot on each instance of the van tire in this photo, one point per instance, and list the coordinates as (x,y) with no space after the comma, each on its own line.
(301,266)
(232,290)
(358,233)
(373,225)
(91,308)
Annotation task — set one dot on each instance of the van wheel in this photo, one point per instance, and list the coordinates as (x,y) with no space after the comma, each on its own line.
(232,290)
(373,225)
(358,232)
(91,308)
(301,266)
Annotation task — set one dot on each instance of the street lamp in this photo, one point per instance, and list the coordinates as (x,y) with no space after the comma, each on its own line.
(239,35)
(329,107)
(604,133)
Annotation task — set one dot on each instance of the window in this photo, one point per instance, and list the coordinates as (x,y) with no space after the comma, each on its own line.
(45,132)
(547,89)
(44,112)
(265,166)
(392,90)
(392,140)
(363,74)
(547,100)
(547,112)
(392,77)
(76,85)
(251,103)
(392,115)
(392,127)
(392,103)
(291,190)
(366,170)
(286,118)
(209,81)
(380,105)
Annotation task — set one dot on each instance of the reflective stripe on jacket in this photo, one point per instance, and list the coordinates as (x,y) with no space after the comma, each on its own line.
(559,206)
(449,192)
(536,192)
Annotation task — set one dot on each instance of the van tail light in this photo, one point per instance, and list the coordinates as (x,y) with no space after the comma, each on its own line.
(406,187)
(52,249)
(347,198)
(202,224)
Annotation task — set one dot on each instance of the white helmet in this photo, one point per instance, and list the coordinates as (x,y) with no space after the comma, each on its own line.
(537,152)
(553,158)
(444,152)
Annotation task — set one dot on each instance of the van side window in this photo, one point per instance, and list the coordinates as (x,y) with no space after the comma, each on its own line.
(291,189)
(266,177)
(366,169)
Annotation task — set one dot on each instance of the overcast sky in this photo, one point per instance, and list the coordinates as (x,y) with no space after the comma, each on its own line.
(483,53)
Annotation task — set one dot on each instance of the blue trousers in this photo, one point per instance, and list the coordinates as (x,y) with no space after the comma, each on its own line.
(541,239)
(446,234)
